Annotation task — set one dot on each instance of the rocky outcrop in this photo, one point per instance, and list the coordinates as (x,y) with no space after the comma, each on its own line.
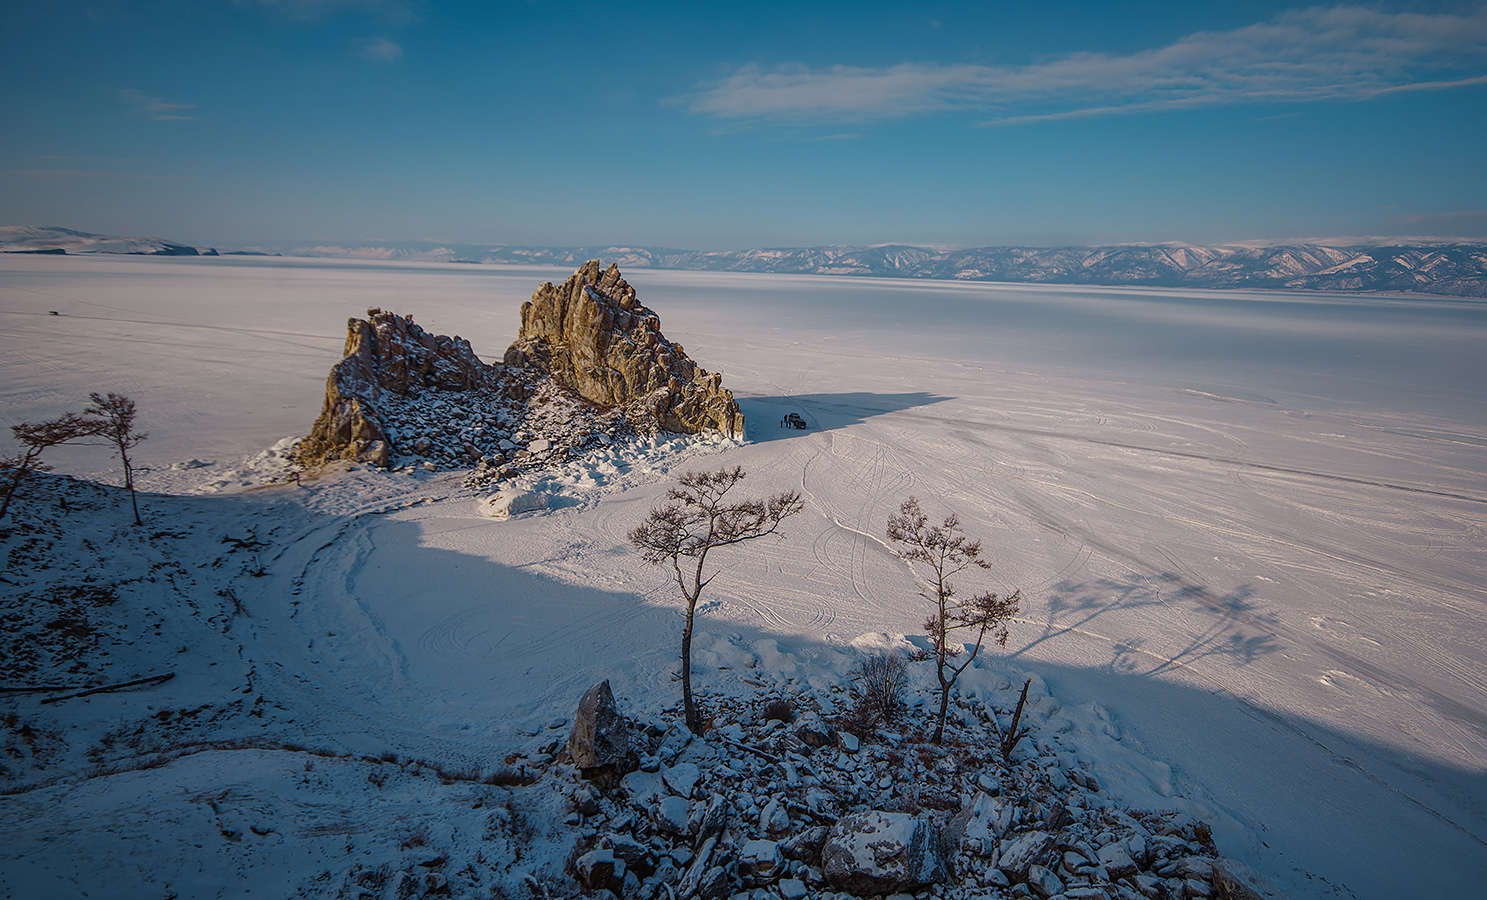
(591,334)
(877,852)
(589,365)
(386,354)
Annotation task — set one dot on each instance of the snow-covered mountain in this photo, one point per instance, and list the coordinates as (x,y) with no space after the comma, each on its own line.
(45,239)
(1456,268)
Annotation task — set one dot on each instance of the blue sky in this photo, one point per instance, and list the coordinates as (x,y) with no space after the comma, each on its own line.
(228,122)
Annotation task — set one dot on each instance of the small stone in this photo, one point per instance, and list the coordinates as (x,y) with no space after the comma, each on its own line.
(1116,860)
(792,889)
(1043,882)
(670,815)
(774,818)
(760,862)
(681,779)
(598,869)
(848,741)
(1024,852)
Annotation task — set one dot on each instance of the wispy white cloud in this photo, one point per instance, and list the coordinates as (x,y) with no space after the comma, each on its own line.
(1338,53)
(143,106)
(382,50)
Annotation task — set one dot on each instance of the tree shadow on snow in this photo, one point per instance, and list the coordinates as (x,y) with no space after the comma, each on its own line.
(1236,629)
(822,412)
(470,640)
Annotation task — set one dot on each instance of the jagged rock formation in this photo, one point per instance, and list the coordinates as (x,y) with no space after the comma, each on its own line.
(386,354)
(589,365)
(592,335)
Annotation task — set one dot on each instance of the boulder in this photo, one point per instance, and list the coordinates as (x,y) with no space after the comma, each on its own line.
(599,869)
(592,335)
(600,736)
(1028,850)
(879,852)
(982,822)
(681,779)
(760,862)
(1044,882)
(1116,860)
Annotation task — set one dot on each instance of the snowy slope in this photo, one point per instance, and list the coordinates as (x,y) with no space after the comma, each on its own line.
(1255,591)
(33,239)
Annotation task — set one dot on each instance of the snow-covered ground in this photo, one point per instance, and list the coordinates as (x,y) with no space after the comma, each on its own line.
(1250,529)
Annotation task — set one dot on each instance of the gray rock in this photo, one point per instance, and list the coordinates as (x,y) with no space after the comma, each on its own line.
(1023,853)
(600,736)
(793,889)
(626,849)
(881,852)
(1116,860)
(805,845)
(681,779)
(599,869)
(670,815)
(1044,882)
(982,823)
(760,862)
(813,732)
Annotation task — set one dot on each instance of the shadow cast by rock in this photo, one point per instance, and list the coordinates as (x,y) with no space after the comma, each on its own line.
(765,416)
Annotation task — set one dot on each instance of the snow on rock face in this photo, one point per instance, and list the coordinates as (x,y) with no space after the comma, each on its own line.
(600,736)
(589,365)
(880,852)
(592,335)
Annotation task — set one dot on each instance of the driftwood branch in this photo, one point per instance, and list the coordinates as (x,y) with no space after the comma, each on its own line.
(138,682)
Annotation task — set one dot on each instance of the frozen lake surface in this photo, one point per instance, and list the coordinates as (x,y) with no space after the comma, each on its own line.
(1253,526)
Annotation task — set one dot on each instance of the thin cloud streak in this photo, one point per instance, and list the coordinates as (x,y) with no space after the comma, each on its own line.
(1341,53)
(155,109)
(382,50)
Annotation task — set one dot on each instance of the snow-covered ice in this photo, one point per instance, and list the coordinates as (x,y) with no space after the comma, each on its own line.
(1250,529)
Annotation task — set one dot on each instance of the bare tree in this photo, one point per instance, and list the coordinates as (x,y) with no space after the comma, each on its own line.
(113,418)
(35,437)
(695,520)
(947,552)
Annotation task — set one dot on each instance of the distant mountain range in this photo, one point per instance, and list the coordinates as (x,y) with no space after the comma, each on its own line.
(32,239)
(1456,268)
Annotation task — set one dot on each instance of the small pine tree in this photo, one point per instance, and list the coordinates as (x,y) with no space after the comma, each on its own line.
(113,418)
(947,552)
(35,437)
(694,522)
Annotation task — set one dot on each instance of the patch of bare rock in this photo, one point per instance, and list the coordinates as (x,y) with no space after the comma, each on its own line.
(788,803)
(590,365)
